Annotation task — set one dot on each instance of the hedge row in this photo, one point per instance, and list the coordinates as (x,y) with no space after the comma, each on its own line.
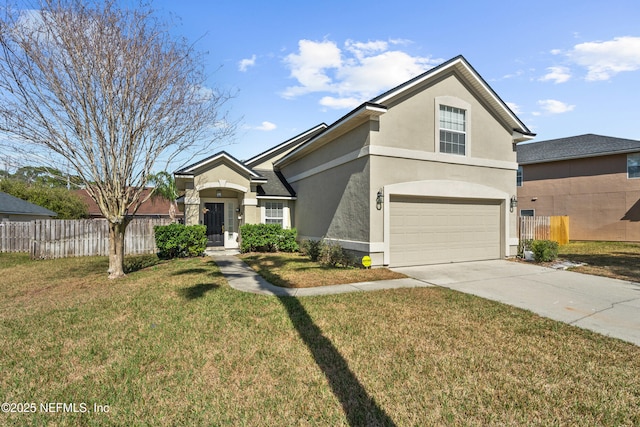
(180,241)
(267,238)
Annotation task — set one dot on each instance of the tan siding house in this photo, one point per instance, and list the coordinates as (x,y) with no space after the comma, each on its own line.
(593,179)
(424,173)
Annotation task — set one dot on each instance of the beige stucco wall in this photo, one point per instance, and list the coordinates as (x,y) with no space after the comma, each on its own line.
(334,203)
(343,145)
(337,184)
(601,202)
(234,187)
(412,123)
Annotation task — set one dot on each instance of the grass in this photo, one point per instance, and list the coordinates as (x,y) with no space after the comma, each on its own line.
(173,344)
(297,271)
(619,260)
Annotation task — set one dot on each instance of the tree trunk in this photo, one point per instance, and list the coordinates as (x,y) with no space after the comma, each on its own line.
(116,248)
(172,211)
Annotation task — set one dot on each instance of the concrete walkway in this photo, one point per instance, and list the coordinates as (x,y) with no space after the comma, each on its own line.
(241,277)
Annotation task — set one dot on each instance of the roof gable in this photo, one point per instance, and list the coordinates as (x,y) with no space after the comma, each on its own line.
(12,205)
(575,147)
(219,156)
(378,105)
(466,72)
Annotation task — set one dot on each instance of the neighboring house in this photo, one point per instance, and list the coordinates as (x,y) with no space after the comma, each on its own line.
(152,208)
(593,179)
(424,173)
(15,209)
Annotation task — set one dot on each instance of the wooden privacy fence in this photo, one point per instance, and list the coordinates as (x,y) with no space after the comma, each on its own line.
(544,228)
(51,238)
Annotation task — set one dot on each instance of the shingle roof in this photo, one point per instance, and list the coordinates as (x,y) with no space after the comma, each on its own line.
(152,207)
(13,205)
(574,147)
(188,170)
(276,185)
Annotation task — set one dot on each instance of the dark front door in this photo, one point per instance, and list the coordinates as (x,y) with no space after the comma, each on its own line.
(214,220)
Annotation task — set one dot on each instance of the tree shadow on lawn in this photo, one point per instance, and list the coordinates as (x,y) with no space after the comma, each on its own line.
(359,408)
(621,265)
(197,291)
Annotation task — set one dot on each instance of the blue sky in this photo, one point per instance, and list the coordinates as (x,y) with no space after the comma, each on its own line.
(565,67)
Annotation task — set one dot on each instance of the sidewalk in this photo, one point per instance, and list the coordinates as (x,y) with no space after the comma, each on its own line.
(241,277)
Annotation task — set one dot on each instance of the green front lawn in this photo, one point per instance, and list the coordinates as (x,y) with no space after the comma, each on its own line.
(173,344)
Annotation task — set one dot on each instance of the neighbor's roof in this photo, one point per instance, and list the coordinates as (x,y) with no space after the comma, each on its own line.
(15,206)
(152,207)
(276,185)
(574,147)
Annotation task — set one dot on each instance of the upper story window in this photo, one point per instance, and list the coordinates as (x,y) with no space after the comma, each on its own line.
(453,127)
(519,177)
(633,165)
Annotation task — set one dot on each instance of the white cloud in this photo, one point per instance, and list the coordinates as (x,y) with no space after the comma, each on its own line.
(556,51)
(552,106)
(557,75)
(513,75)
(352,74)
(339,103)
(605,59)
(309,67)
(266,126)
(244,64)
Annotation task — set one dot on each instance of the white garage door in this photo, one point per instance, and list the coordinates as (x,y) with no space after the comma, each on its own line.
(436,231)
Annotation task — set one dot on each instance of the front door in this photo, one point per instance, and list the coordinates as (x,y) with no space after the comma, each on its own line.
(214,220)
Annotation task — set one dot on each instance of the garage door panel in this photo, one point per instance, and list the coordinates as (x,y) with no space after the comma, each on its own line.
(432,231)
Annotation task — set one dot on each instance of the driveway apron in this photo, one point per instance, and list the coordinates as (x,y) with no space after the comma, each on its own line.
(607,306)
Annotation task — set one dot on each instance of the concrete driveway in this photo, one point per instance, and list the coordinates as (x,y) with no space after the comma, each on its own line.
(608,306)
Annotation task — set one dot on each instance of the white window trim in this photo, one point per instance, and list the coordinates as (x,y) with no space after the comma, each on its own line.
(452,101)
(286,215)
(520,172)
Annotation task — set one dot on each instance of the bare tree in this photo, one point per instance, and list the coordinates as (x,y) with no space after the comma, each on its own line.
(107,91)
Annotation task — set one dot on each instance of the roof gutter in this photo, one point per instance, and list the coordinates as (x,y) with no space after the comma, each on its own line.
(368,109)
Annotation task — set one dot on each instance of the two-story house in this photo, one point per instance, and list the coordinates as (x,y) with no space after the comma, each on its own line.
(424,173)
(593,179)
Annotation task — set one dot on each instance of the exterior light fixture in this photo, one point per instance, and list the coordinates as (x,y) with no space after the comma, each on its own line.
(218,194)
(514,203)
(379,199)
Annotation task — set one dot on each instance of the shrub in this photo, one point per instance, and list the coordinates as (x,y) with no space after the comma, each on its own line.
(312,249)
(178,240)
(544,250)
(267,238)
(334,255)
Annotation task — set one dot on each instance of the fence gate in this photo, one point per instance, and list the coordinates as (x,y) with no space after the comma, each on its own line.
(554,228)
